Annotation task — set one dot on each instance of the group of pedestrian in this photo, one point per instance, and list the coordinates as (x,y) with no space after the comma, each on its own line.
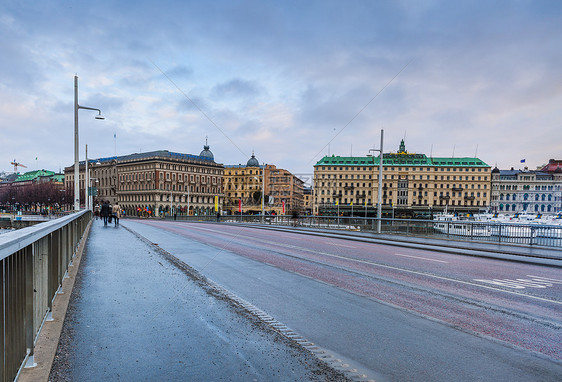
(110,213)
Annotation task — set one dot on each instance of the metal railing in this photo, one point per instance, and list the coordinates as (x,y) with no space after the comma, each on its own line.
(532,234)
(33,262)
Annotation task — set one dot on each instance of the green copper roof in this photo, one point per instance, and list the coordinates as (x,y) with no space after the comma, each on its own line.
(58,178)
(397,159)
(31,175)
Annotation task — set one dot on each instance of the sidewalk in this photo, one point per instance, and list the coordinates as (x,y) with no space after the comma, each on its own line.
(135,316)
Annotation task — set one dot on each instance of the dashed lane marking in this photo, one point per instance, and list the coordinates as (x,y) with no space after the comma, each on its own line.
(479,284)
(421,258)
(342,245)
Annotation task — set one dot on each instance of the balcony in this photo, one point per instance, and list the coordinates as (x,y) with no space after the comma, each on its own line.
(444,197)
(469,198)
(458,188)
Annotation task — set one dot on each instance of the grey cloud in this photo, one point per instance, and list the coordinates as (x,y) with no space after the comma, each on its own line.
(235,88)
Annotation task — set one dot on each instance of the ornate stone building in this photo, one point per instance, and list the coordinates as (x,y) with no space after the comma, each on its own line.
(243,189)
(157,182)
(412,183)
(538,191)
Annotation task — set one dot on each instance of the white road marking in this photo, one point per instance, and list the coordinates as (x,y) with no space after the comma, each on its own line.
(404,270)
(533,282)
(555,281)
(342,245)
(421,258)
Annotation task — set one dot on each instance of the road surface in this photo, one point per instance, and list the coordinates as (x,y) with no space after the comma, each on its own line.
(392,313)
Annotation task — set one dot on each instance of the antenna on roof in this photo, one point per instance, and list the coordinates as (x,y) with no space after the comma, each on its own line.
(351,150)
(476,152)
(431,151)
(454,145)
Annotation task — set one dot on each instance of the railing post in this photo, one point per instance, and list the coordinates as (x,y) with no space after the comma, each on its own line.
(3,375)
(28,293)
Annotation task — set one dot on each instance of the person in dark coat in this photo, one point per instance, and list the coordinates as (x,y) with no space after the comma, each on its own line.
(105,211)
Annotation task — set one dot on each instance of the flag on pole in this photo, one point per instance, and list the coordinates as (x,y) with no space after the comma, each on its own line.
(522,160)
(240,205)
(337,203)
(283,207)
(351,203)
(216,203)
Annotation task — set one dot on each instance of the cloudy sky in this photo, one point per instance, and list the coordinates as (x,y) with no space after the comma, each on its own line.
(290,80)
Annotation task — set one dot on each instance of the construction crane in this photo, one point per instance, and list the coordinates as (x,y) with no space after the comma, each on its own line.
(16,164)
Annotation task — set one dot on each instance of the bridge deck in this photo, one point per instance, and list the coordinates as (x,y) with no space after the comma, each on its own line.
(134,315)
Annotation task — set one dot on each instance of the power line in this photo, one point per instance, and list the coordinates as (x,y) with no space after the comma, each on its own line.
(360,111)
(198,108)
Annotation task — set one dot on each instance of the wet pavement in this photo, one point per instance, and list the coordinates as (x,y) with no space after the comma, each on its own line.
(133,315)
(370,313)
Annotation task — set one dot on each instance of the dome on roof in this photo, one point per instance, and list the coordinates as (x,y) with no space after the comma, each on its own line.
(206,153)
(495,170)
(253,162)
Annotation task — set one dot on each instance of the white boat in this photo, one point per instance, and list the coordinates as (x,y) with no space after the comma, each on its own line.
(453,225)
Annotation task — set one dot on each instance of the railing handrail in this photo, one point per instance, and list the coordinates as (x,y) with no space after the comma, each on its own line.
(11,242)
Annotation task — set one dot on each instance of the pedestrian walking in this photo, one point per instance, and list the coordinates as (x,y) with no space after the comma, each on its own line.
(105,211)
(116,213)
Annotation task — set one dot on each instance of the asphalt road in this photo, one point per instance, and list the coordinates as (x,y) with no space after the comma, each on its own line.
(134,316)
(391,313)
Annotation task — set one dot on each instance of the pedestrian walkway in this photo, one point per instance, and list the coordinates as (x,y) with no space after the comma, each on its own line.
(135,316)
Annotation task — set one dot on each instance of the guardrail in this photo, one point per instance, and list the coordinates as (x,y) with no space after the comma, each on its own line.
(33,262)
(532,234)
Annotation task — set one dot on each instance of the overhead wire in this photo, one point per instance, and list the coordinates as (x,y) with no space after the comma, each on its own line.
(360,111)
(198,108)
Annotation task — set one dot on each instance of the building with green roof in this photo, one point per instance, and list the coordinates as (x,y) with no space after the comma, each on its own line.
(35,176)
(411,182)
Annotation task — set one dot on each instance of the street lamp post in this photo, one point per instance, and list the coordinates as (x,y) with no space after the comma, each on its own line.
(379,206)
(262,190)
(76,160)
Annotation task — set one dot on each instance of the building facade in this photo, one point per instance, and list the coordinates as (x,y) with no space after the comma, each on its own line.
(286,192)
(34,190)
(157,182)
(308,205)
(411,182)
(244,185)
(527,190)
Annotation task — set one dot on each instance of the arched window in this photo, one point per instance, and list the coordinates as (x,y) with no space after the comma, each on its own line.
(536,208)
(542,208)
(536,196)
(501,196)
(507,207)
(549,197)
(543,197)
(526,196)
(549,208)
(507,197)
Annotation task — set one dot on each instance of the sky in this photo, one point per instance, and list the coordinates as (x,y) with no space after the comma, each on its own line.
(291,81)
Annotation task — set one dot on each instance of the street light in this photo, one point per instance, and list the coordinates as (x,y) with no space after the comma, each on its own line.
(76,168)
(379,206)
(262,189)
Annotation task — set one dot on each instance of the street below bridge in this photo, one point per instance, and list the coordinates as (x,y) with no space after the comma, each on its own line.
(382,311)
